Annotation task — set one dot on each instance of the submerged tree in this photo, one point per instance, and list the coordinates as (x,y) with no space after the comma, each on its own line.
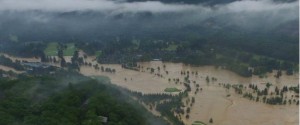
(211,120)
(207,79)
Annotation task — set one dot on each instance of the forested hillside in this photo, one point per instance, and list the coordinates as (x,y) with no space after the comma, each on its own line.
(70,100)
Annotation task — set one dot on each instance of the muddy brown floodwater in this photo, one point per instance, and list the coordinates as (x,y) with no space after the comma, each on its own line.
(5,68)
(212,101)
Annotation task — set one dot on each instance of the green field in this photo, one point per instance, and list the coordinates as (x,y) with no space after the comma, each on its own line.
(98,53)
(51,49)
(172,47)
(198,123)
(172,90)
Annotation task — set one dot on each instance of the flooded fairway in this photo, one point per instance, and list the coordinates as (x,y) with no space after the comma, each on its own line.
(213,101)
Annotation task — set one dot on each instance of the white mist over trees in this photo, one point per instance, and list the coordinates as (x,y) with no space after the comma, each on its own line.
(67,19)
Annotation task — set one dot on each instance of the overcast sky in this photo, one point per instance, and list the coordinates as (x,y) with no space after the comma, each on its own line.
(151,6)
(17,16)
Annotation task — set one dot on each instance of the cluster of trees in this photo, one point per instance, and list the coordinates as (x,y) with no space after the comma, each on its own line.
(166,104)
(52,101)
(152,98)
(278,97)
(49,59)
(189,103)
(195,52)
(263,65)
(233,55)
(75,63)
(166,109)
(103,69)
(176,80)
(188,72)
(295,89)
(24,49)
(60,53)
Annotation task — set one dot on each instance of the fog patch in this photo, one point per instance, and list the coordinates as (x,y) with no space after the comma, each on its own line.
(93,18)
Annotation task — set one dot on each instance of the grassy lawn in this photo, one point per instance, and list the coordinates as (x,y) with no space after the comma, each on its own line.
(198,123)
(51,49)
(172,90)
(70,49)
(98,53)
(171,47)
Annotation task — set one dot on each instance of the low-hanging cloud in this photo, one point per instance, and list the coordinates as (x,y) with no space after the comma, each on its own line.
(90,5)
(149,6)
(108,16)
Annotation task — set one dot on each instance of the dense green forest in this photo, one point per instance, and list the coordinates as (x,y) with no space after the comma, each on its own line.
(198,52)
(262,58)
(69,100)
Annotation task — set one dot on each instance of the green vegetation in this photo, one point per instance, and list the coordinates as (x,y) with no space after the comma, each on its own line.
(51,49)
(104,79)
(254,56)
(70,49)
(211,120)
(198,123)
(267,95)
(68,99)
(172,90)
(198,52)
(166,108)
(171,47)
(98,53)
